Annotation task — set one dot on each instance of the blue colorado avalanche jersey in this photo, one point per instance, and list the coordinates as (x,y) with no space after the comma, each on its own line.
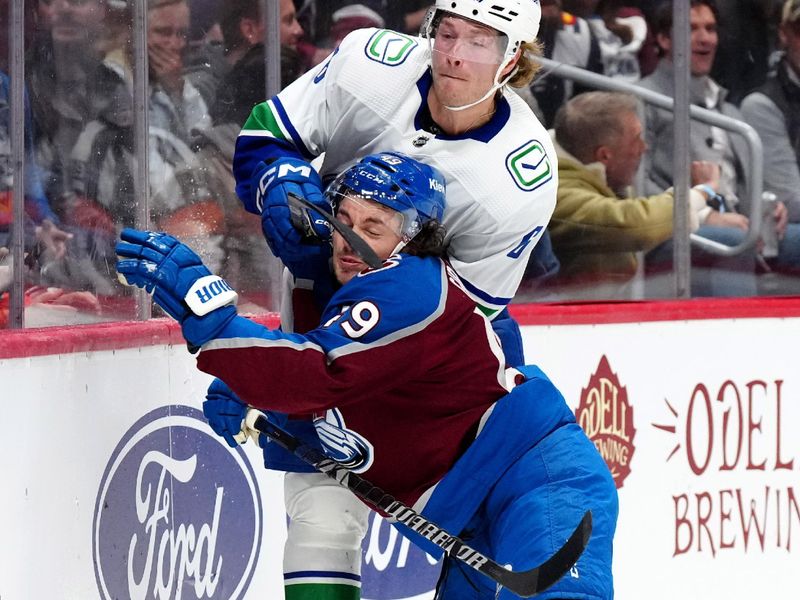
(394,397)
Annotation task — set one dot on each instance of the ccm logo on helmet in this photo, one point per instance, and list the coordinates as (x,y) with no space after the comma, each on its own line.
(371,176)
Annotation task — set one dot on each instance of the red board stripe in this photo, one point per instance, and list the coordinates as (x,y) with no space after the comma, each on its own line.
(20,343)
(582,313)
(131,334)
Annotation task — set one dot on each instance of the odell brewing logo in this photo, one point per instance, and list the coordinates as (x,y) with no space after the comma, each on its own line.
(736,450)
(392,567)
(606,416)
(178,514)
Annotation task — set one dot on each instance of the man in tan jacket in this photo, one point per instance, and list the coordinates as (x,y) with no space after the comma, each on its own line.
(598,227)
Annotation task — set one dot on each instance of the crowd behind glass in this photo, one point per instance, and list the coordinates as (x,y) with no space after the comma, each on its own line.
(206,71)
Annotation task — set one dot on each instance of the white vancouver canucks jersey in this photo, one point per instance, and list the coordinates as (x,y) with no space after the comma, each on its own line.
(369,97)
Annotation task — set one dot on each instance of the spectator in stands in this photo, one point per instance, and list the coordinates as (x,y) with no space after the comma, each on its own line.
(351,17)
(102,194)
(244,85)
(37,207)
(69,87)
(204,58)
(620,31)
(706,142)
(774,111)
(295,45)
(598,226)
(316,16)
(246,258)
(176,105)
(747,42)
(567,39)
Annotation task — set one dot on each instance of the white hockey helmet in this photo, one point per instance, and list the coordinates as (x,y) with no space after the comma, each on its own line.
(517,19)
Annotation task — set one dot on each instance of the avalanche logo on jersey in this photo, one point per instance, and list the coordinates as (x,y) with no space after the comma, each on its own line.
(341,444)
(389,47)
(529,166)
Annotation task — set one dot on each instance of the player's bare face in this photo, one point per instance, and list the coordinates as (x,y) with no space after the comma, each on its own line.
(378,225)
(464,61)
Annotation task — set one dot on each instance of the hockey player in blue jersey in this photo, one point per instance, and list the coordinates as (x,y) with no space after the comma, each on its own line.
(489,452)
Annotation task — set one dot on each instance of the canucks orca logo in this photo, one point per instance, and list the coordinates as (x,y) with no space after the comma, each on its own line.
(529,166)
(389,47)
(343,445)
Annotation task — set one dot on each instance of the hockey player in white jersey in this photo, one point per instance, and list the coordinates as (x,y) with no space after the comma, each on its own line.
(442,98)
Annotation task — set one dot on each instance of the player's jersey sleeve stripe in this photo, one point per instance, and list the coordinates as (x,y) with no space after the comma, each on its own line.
(485,298)
(237,342)
(287,123)
(270,120)
(400,333)
(262,123)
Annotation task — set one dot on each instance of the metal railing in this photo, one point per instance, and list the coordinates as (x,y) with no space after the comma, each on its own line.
(755,166)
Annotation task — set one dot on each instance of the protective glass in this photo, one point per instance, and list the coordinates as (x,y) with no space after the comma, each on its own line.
(453,37)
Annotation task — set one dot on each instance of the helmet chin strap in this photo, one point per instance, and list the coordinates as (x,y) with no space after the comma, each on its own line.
(497,85)
(401,244)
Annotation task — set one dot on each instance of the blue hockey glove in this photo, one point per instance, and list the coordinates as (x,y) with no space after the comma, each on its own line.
(225,411)
(293,233)
(179,281)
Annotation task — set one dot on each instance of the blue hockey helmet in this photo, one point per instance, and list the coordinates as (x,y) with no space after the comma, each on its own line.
(413,189)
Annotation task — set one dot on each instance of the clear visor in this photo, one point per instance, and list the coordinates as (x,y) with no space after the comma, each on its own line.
(381,214)
(459,39)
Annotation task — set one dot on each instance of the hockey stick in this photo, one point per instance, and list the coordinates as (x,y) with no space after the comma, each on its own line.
(523,583)
(301,217)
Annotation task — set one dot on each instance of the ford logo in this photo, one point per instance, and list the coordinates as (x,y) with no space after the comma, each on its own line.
(178,513)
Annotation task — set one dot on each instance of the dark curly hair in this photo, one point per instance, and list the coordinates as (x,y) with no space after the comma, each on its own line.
(429,241)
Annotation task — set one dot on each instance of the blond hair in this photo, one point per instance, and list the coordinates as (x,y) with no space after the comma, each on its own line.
(527,65)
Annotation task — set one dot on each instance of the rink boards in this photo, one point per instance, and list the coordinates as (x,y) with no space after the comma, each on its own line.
(114,486)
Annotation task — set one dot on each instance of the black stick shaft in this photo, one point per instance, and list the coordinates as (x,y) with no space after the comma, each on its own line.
(355,241)
(522,583)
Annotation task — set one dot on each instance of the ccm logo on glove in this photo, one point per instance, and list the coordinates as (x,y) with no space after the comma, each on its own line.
(280,171)
(209,293)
